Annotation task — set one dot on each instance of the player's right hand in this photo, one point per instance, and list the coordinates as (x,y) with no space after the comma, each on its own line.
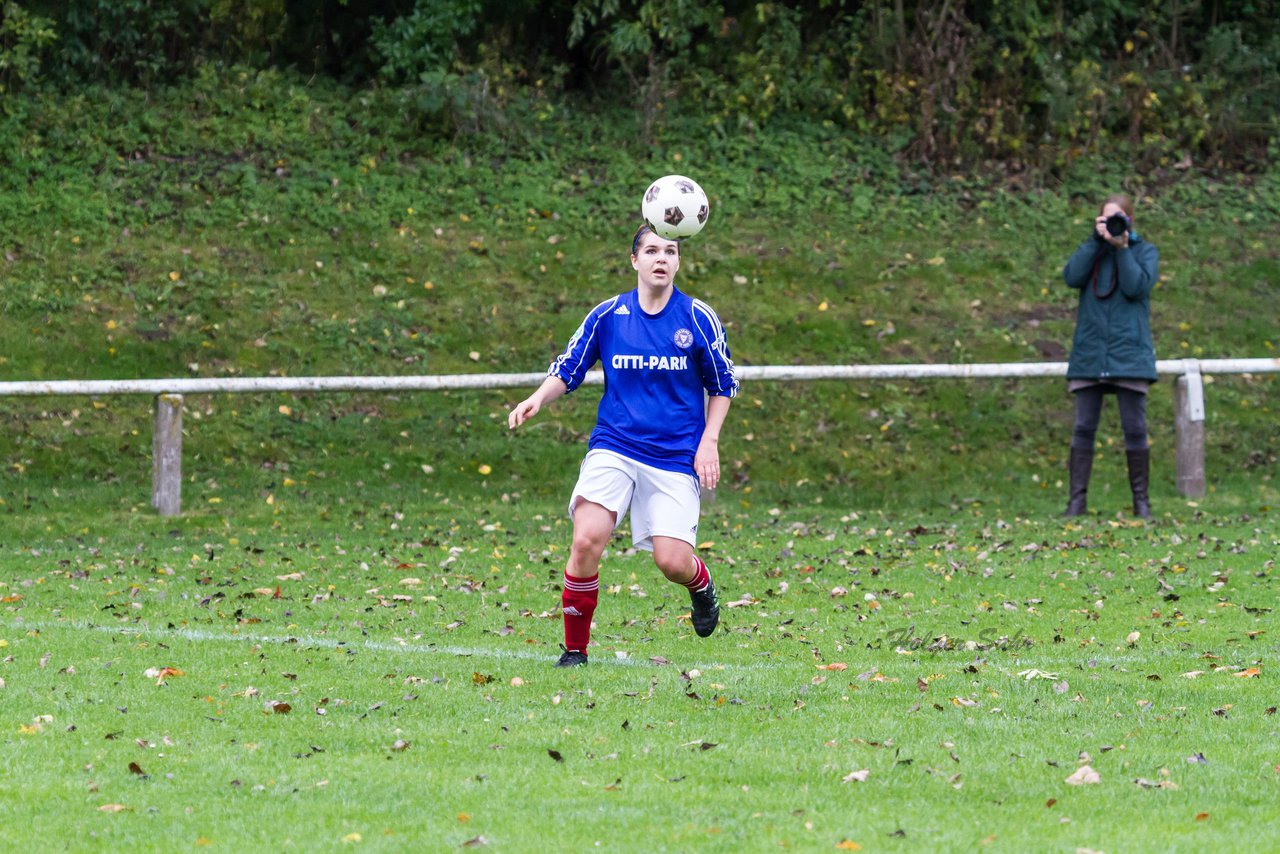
(522,412)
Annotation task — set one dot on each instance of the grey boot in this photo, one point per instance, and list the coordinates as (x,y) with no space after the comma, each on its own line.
(1079,466)
(1139,471)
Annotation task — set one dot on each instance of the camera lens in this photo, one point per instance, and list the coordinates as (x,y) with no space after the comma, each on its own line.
(1117,224)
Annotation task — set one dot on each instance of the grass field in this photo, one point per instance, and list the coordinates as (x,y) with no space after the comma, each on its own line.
(884,682)
(346,639)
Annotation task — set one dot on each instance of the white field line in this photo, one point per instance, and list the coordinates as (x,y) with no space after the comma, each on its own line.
(394,646)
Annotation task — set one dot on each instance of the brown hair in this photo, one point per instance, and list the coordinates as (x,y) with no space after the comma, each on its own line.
(1125,203)
(635,241)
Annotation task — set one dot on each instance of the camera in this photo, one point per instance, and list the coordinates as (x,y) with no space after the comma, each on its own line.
(1117,224)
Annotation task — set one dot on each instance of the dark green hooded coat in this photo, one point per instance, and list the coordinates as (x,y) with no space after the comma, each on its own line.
(1113,319)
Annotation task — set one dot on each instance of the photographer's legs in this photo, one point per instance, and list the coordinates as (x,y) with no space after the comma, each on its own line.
(1133,420)
(1080,463)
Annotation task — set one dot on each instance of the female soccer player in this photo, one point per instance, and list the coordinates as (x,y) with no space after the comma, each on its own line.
(653,443)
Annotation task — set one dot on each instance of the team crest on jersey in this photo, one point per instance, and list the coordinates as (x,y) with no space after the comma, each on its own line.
(683,338)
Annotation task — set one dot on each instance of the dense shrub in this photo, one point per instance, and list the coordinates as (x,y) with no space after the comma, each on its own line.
(946,86)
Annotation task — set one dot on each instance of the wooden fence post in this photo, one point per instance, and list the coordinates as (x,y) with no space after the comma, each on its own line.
(166,455)
(1188,422)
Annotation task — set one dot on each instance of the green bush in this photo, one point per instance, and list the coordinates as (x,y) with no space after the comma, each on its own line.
(1025,89)
(424,42)
(25,40)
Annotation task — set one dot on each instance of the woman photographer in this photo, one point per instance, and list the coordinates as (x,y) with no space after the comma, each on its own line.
(1112,352)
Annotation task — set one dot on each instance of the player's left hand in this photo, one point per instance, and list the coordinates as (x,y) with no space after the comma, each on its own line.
(707,464)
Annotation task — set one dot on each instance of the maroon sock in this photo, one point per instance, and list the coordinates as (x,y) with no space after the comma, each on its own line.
(578,605)
(701,576)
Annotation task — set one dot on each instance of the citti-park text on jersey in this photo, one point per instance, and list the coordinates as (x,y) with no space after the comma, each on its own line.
(653,363)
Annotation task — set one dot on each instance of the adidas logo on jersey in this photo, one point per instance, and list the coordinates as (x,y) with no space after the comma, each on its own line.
(622,309)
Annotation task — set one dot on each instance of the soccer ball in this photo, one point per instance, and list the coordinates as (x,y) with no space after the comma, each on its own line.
(675,207)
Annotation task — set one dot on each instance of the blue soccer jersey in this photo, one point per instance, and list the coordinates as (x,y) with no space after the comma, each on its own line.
(656,367)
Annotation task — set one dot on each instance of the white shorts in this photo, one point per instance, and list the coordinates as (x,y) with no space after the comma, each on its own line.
(663,503)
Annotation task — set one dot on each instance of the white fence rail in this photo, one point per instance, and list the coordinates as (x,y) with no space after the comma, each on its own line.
(166,481)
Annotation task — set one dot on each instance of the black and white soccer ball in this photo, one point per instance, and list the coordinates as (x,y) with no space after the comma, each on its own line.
(675,207)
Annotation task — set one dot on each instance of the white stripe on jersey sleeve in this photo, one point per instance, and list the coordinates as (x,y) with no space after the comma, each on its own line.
(579,371)
(717,346)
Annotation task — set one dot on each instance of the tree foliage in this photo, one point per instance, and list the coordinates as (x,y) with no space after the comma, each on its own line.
(944,84)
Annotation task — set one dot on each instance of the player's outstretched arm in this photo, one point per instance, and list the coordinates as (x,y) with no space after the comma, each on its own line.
(551,388)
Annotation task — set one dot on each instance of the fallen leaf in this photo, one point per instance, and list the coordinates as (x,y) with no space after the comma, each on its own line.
(1033,673)
(1084,775)
(112,808)
(399,745)
(704,745)
(856,776)
(135,768)
(1197,759)
(160,674)
(555,754)
(848,845)
(475,842)
(1202,816)
(835,665)
(1248,674)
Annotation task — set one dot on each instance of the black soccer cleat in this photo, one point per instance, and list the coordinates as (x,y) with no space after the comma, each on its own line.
(706,610)
(572,658)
